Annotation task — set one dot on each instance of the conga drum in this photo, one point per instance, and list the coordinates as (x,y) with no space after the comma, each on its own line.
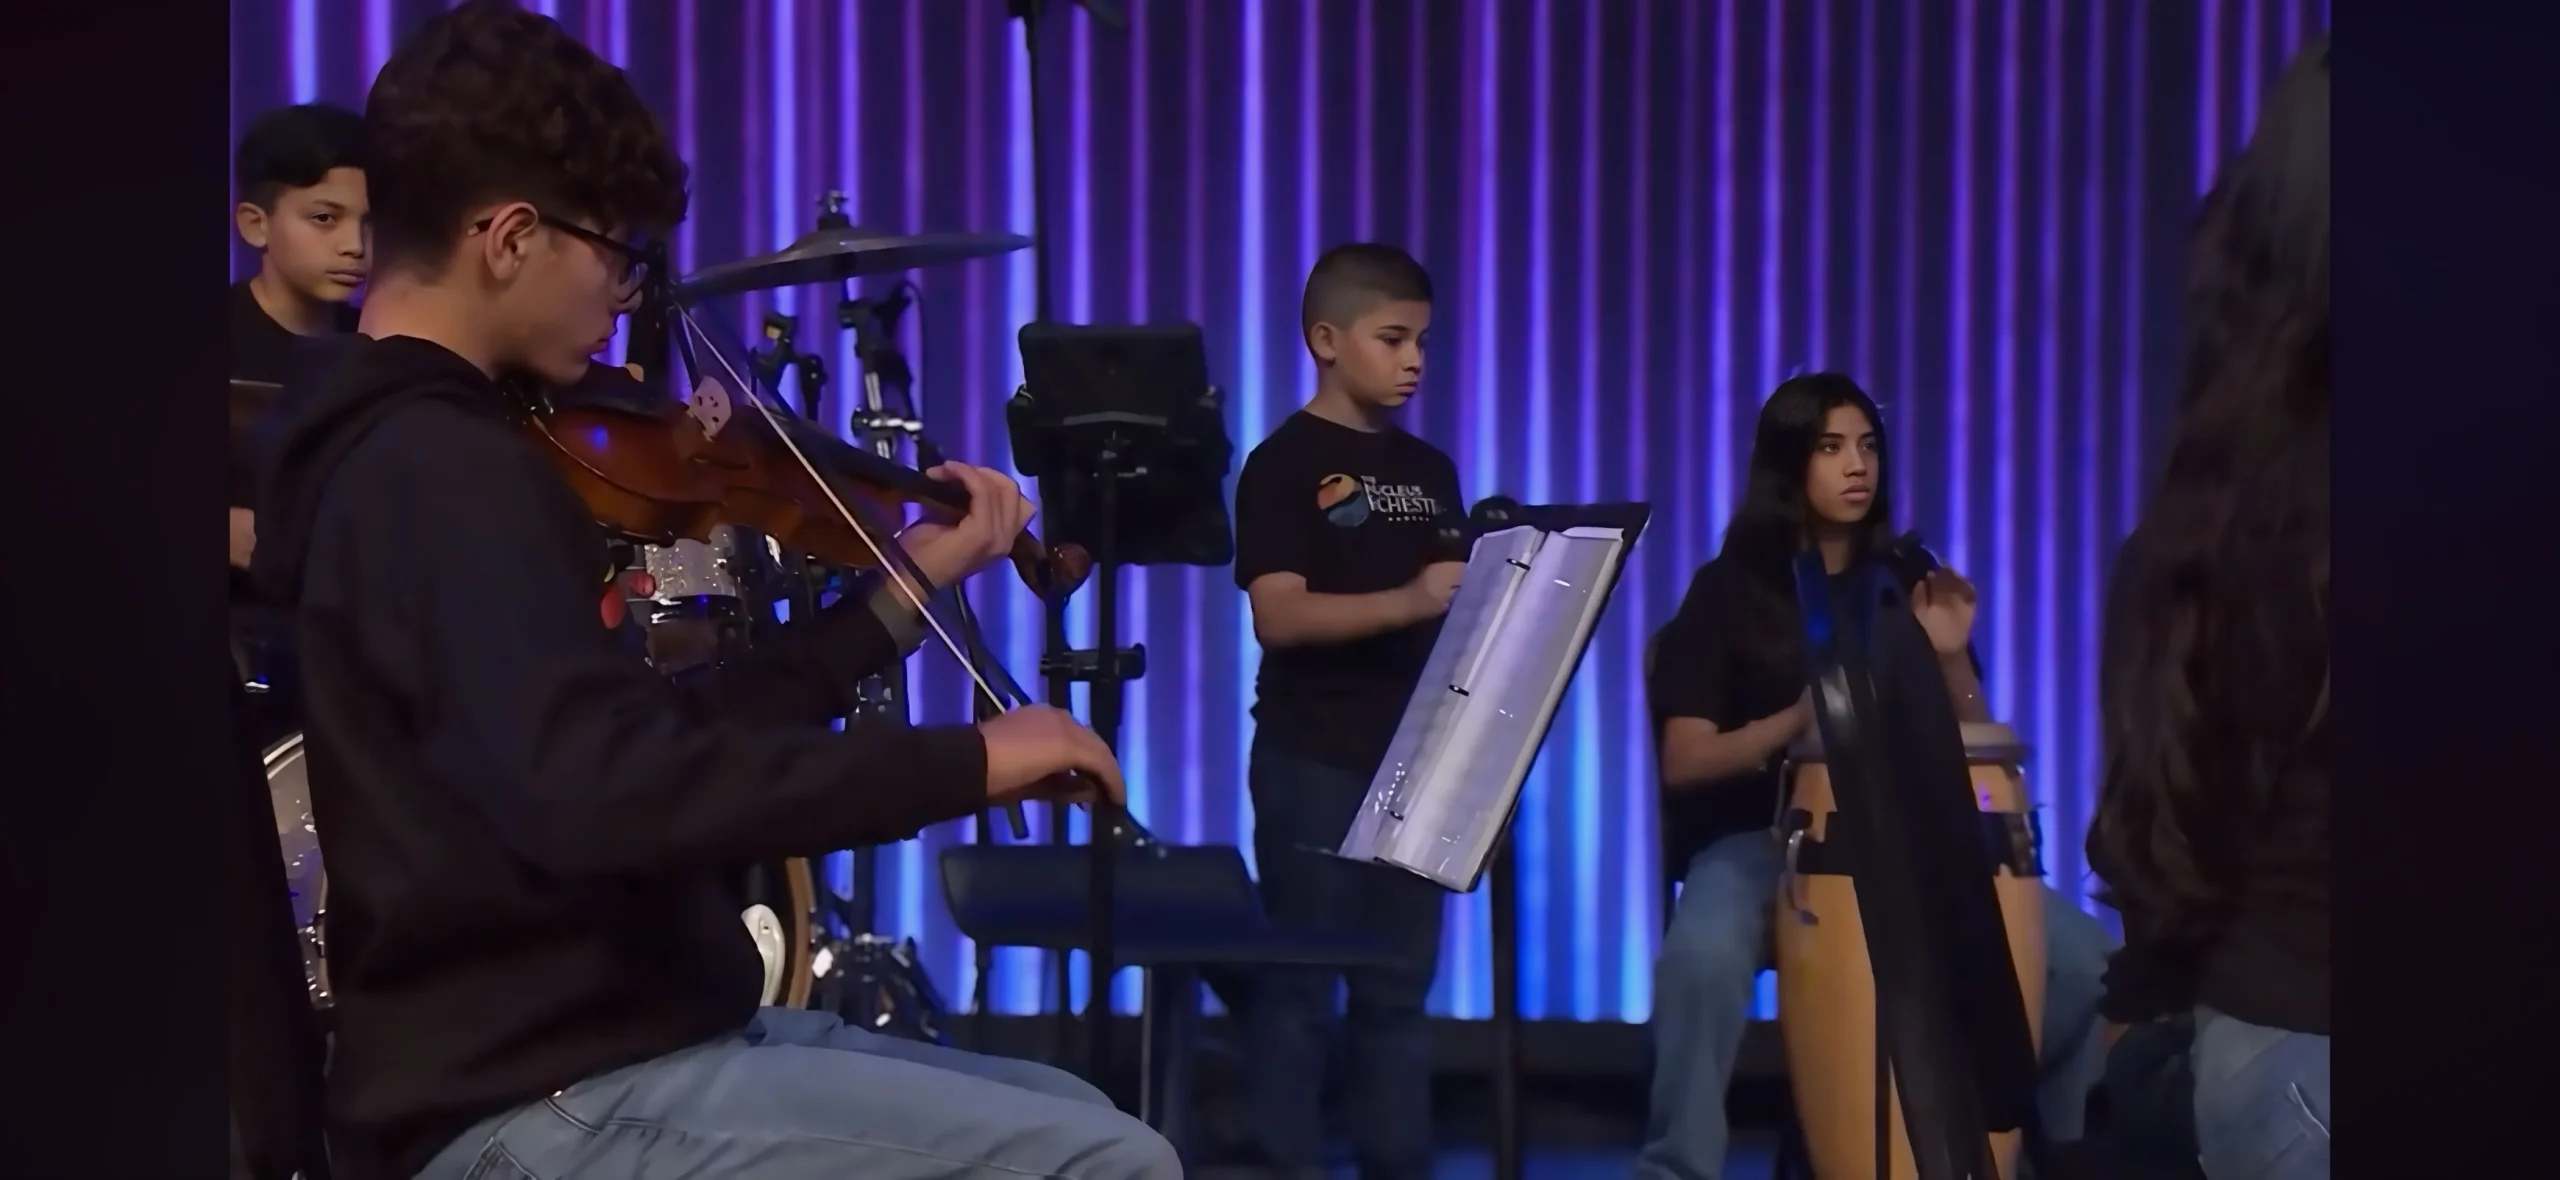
(778,901)
(1827,987)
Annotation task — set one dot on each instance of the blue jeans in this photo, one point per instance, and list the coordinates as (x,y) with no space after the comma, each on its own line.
(801,1095)
(2262,1101)
(1301,811)
(1711,959)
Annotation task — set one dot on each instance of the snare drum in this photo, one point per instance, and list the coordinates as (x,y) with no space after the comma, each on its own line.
(1826,985)
(778,901)
(697,609)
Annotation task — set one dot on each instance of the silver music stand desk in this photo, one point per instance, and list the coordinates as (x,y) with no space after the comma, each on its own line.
(1537,580)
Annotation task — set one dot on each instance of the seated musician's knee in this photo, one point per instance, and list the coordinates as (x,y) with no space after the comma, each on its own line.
(1137,1152)
(1711,956)
(2076,944)
(1719,935)
(1058,1083)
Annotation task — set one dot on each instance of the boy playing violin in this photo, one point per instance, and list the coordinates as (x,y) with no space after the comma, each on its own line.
(533,947)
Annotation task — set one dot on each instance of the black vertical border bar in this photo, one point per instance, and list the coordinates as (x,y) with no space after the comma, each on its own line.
(2442,638)
(113,588)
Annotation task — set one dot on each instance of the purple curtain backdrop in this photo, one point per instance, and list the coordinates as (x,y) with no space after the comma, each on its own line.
(1641,214)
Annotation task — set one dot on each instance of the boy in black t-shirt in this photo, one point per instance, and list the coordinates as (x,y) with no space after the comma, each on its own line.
(1338,545)
(303,208)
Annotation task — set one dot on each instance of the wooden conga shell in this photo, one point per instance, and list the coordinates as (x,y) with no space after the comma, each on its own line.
(1827,988)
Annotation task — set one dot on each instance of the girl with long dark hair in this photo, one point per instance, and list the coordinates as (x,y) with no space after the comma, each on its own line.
(2212,826)
(1728,694)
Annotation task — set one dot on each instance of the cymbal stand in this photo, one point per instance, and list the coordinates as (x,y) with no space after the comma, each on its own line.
(806,581)
(1054,643)
(874,324)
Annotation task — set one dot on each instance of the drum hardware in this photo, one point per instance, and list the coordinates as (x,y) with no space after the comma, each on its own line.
(878,983)
(1789,881)
(306,878)
(766,365)
(766,929)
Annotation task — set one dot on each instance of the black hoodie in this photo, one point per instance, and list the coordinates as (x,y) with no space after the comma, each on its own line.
(529,831)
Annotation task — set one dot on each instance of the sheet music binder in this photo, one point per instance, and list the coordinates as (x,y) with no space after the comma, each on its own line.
(1516,631)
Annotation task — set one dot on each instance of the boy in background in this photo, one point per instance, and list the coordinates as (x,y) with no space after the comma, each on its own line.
(300,176)
(1338,546)
(303,209)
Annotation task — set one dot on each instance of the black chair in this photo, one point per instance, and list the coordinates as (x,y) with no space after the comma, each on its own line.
(1178,911)
(1792,1163)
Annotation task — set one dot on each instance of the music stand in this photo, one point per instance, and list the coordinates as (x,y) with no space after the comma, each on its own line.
(1127,441)
(1538,580)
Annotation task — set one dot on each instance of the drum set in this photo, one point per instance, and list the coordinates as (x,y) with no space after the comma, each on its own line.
(694,603)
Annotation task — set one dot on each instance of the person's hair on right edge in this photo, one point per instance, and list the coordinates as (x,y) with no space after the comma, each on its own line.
(1352,280)
(2209,707)
(295,147)
(489,102)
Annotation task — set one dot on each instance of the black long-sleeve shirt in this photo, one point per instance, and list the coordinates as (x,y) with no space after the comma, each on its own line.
(2267,959)
(528,829)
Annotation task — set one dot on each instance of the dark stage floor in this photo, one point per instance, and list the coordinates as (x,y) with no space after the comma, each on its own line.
(1750,1160)
(1582,1098)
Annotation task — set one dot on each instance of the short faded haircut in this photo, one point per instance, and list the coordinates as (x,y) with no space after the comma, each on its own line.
(1352,280)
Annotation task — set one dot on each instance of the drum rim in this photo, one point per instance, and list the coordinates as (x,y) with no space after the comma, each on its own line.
(800,889)
(1985,742)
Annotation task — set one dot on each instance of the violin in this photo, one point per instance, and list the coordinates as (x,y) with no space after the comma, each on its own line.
(657,470)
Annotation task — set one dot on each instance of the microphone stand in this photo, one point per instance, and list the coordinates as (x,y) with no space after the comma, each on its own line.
(1104,818)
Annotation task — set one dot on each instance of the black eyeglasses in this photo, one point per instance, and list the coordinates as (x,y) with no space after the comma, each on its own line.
(632,264)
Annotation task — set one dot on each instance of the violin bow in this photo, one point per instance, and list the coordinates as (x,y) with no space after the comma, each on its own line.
(994,684)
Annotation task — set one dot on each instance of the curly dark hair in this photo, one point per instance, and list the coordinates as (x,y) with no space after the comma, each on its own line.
(295,147)
(488,102)
(2220,682)
(1773,524)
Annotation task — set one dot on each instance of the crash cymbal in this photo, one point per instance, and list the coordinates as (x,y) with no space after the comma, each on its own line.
(828,255)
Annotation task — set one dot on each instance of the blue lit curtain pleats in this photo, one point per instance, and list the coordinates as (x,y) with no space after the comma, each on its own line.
(1641,214)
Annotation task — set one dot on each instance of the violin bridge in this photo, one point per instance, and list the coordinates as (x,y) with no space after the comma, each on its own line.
(709,406)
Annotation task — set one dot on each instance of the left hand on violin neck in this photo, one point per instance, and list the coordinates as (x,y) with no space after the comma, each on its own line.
(949,551)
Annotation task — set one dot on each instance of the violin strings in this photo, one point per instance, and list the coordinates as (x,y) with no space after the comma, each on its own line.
(897,575)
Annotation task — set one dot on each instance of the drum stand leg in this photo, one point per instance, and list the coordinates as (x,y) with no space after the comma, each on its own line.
(1884,1097)
(1505,905)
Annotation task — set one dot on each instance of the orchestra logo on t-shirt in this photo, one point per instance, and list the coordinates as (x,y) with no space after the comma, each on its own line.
(1349,501)
(1344,500)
